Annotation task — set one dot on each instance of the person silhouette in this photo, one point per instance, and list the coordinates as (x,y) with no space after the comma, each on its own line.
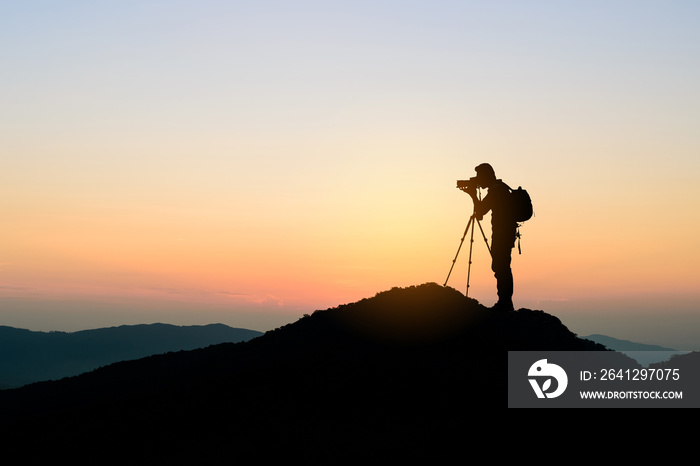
(503,230)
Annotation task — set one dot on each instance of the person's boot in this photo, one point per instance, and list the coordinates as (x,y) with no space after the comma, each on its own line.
(503,306)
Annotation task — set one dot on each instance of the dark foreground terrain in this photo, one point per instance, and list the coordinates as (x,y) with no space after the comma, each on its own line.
(408,372)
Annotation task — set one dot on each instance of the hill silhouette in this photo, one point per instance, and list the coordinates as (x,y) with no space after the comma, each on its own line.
(408,370)
(688,363)
(644,354)
(27,356)
(624,345)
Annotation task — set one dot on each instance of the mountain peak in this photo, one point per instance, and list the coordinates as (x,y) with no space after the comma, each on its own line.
(431,313)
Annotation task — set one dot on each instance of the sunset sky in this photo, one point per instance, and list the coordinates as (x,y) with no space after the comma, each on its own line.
(192,162)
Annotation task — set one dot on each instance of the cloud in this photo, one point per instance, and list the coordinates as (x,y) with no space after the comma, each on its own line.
(266,301)
(270,300)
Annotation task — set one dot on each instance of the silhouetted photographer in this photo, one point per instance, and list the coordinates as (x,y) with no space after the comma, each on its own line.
(504,225)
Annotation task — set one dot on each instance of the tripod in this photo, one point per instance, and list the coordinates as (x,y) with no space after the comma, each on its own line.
(470,225)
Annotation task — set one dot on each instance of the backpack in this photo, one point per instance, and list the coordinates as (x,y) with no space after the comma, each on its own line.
(521,208)
(521,204)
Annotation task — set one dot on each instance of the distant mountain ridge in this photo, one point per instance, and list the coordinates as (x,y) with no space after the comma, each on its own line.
(624,345)
(643,353)
(28,356)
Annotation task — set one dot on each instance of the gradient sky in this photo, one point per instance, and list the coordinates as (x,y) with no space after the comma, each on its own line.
(247,162)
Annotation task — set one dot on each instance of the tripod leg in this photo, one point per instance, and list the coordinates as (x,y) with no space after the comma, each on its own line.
(469,223)
(471,246)
(484,235)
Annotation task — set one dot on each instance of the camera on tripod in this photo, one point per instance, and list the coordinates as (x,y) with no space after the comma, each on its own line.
(466,184)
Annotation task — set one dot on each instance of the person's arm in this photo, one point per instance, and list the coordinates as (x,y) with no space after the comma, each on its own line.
(481,207)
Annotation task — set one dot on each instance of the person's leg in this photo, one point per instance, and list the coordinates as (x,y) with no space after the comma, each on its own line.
(500,264)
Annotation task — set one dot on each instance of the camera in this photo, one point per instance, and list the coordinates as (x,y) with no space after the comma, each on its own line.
(465,184)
